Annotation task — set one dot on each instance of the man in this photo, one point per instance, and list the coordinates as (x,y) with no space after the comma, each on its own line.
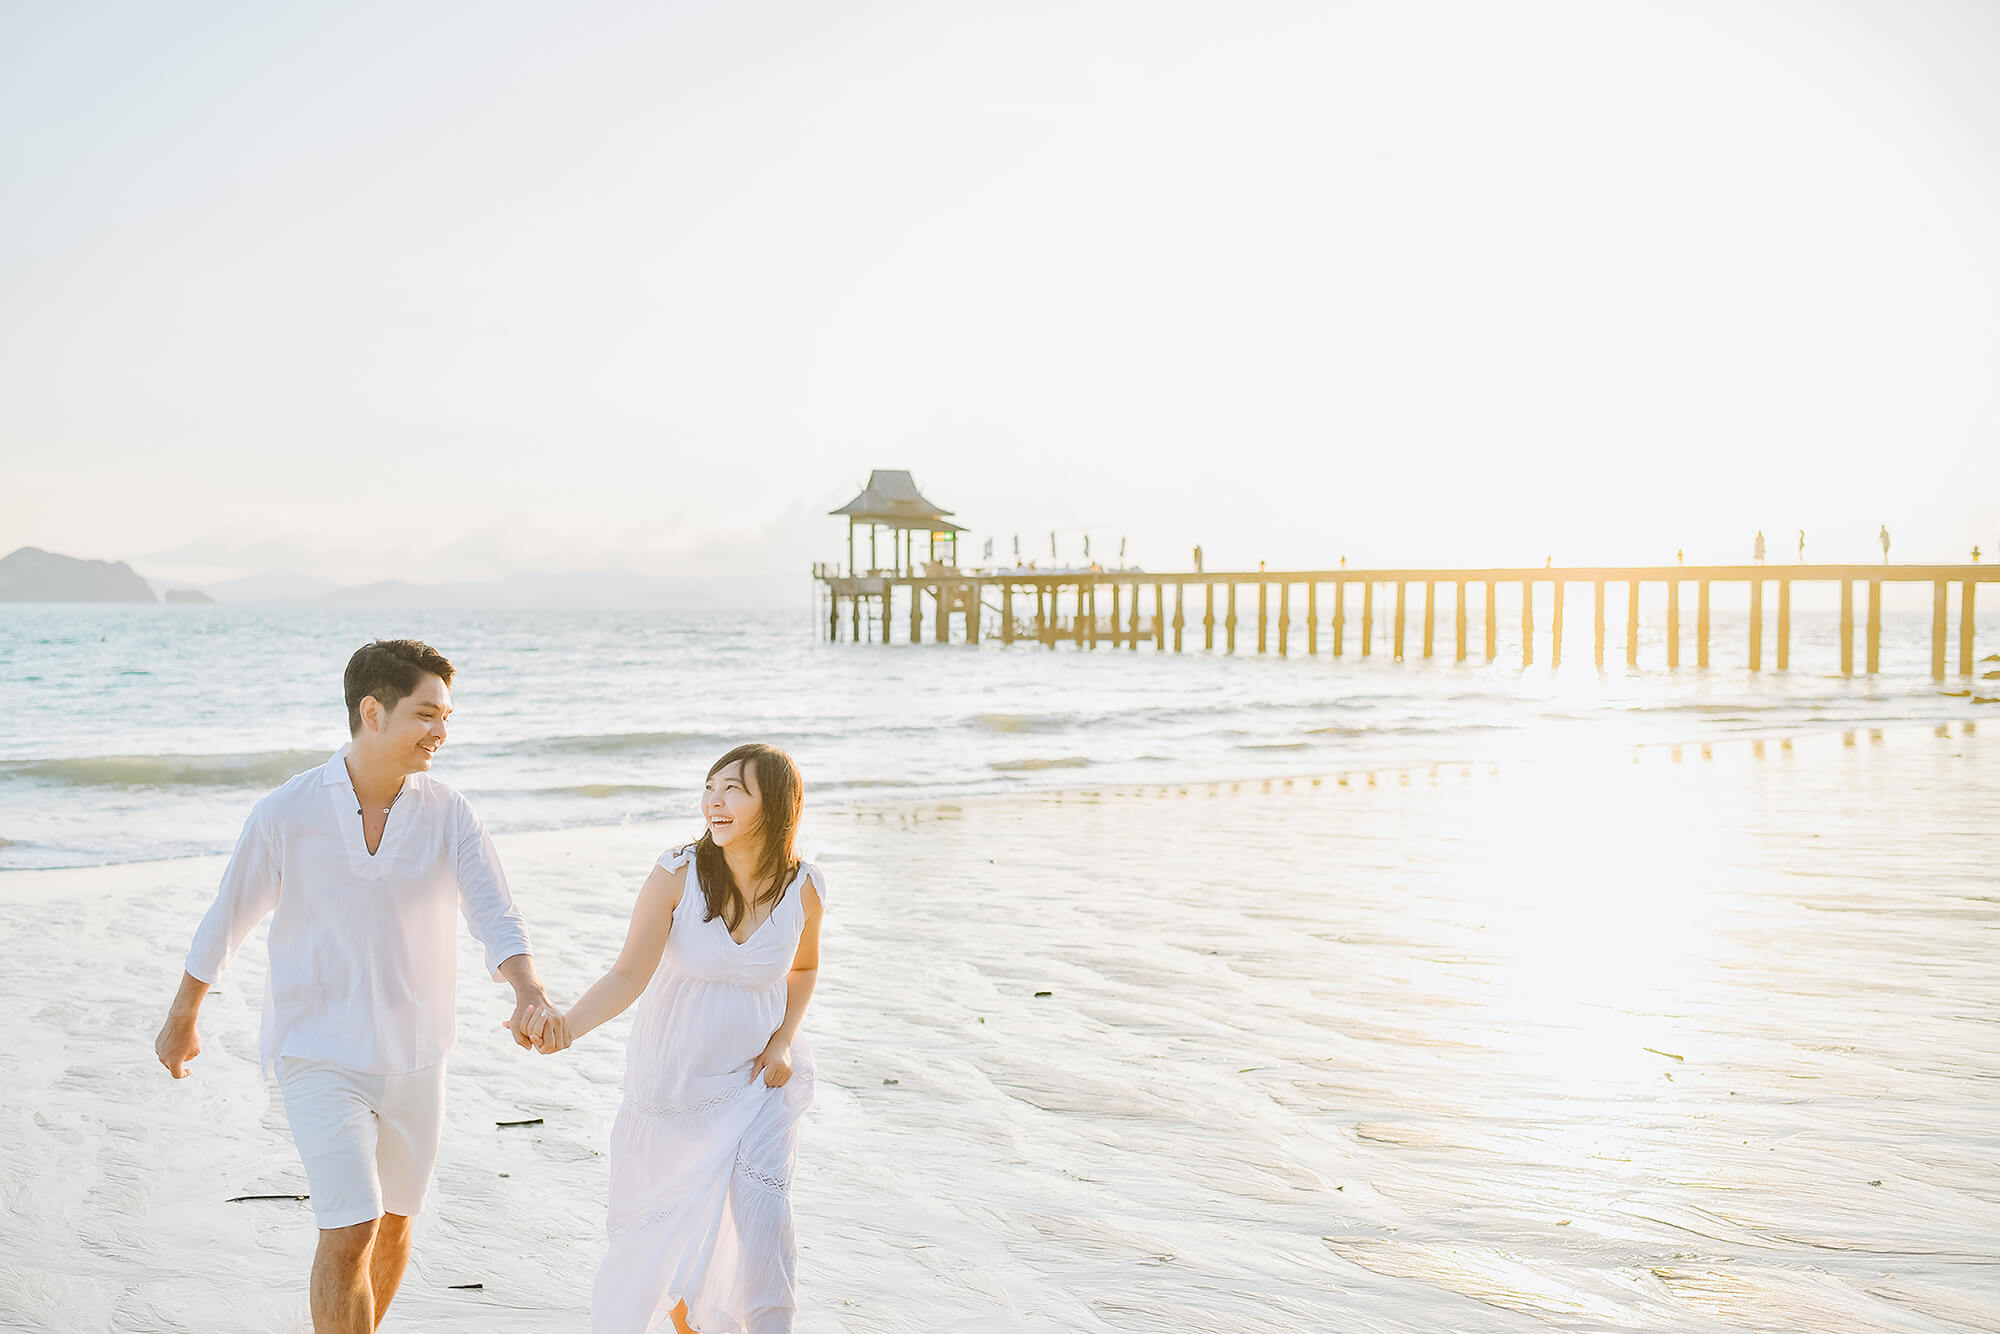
(362,864)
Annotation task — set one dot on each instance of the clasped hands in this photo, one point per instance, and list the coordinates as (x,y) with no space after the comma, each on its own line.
(539,1025)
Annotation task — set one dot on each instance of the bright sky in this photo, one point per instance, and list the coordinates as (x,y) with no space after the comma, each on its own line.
(447,292)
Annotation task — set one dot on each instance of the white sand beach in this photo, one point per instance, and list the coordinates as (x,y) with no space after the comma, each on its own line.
(1692,1039)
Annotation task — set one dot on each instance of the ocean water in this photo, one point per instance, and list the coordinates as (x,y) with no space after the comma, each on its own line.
(140,732)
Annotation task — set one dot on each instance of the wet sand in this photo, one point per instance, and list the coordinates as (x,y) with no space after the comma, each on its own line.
(1647,1040)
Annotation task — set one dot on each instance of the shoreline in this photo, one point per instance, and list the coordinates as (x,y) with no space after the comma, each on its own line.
(1582,750)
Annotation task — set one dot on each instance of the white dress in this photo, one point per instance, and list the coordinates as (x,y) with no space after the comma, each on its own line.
(701,1155)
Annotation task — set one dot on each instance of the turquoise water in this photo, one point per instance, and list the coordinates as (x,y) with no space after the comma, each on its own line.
(135,732)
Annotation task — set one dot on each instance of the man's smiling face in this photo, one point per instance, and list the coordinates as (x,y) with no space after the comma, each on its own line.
(413,731)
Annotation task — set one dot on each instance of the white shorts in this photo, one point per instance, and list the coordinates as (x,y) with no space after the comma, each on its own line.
(369,1142)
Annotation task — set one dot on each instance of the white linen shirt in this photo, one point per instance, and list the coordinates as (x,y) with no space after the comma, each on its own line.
(364,950)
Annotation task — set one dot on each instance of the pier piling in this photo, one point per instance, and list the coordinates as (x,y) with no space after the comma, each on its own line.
(1631,622)
(1673,623)
(1756,624)
(1597,619)
(1556,590)
(1874,626)
(1492,624)
(1458,622)
(1527,622)
(1966,621)
(1701,623)
(1784,624)
(1847,627)
(1938,590)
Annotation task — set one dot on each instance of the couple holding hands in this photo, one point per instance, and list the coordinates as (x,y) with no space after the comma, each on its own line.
(363,863)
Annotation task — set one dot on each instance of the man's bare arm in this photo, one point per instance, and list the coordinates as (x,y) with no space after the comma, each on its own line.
(177,1043)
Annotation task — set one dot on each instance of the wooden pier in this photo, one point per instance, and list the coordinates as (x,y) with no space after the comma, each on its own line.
(1124,608)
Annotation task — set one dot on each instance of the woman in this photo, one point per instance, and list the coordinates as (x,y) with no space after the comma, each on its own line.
(721,955)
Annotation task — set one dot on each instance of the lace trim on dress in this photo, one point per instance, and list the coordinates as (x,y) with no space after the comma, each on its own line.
(651,1218)
(769,1181)
(712,1103)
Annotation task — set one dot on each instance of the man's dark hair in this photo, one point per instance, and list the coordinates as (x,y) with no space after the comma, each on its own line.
(389,669)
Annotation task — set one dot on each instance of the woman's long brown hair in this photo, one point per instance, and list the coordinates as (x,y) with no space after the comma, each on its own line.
(778,784)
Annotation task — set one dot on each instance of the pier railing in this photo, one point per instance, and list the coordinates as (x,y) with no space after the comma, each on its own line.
(1107,606)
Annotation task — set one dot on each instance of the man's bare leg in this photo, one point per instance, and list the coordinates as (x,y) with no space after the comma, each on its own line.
(342,1300)
(387,1261)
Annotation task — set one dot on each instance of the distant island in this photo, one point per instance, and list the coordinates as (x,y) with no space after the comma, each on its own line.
(187,595)
(34,575)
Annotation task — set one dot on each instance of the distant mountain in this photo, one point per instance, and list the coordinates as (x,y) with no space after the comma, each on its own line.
(34,575)
(187,595)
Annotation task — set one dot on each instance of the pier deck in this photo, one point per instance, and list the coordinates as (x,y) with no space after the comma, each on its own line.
(1090,608)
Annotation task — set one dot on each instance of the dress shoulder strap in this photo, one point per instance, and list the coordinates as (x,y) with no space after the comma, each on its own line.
(673,859)
(809,873)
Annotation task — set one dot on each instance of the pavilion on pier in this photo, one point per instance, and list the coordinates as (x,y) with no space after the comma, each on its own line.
(891,500)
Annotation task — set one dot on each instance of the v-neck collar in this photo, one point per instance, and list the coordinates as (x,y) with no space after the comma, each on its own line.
(354,832)
(744,943)
(695,882)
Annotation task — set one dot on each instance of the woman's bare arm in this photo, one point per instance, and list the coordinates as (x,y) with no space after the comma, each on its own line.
(645,941)
(775,1062)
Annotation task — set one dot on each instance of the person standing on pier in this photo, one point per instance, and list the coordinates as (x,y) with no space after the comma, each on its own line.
(1885,544)
(1759,551)
(1197,558)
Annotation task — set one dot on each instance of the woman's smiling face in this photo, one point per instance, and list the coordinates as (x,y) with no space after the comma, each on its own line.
(730,804)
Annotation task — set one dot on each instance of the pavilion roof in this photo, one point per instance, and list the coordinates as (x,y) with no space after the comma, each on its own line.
(891,497)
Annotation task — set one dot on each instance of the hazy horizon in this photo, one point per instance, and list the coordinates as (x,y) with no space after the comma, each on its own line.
(458,295)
